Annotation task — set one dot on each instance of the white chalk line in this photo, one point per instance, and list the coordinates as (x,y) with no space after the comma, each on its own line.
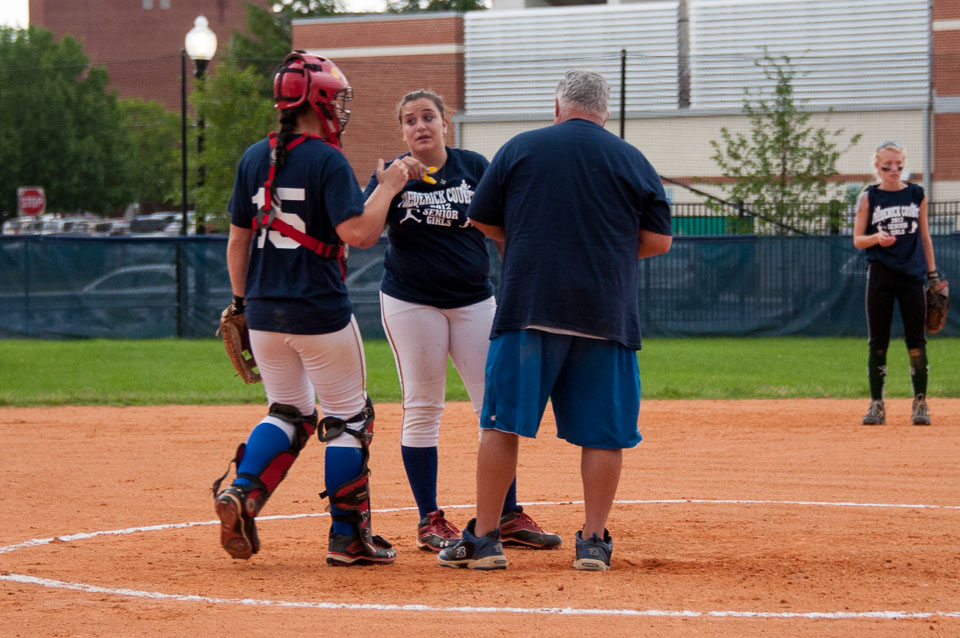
(557,611)
(671,501)
(549,611)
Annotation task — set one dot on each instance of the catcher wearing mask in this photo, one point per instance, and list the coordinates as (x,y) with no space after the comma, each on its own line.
(295,205)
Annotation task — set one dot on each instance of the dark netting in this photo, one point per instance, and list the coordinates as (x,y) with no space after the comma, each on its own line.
(746,285)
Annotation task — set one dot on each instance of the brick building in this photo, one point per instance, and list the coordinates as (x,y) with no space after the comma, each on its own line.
(139,41)
(384,57)
(946,91)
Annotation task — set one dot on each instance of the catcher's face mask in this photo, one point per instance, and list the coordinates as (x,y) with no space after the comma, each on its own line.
(303,77)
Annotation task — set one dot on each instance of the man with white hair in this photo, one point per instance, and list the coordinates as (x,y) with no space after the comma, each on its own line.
(576,207)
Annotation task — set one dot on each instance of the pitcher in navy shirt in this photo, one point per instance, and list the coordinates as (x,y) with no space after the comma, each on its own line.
(892,227)
(295,204)
(576,207)
(437,301)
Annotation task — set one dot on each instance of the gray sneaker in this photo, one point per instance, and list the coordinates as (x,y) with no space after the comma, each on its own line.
(921,414)
(593,554)
(474,552)
(875,415)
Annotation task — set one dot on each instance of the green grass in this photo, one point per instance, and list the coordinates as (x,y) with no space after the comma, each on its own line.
(155,372)
(735,368)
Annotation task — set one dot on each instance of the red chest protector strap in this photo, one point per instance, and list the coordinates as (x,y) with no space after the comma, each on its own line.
(267,217)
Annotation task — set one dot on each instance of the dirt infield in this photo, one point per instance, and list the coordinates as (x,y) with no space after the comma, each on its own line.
(782,518)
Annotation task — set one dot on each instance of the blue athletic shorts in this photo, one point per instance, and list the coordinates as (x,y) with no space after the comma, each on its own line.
(593,384)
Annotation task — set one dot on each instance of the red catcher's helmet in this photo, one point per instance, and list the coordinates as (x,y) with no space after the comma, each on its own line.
(302,77)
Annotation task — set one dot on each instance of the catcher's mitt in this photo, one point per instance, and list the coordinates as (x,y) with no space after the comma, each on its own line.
(236,340)
(938,302)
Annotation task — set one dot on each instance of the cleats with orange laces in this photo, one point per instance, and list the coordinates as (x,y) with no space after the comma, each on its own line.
(518,528)
(434,532)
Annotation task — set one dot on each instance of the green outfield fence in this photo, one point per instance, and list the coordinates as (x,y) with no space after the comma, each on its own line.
(65,287)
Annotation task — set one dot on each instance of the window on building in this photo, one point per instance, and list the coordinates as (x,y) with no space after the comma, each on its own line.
(147,4)
(164,4)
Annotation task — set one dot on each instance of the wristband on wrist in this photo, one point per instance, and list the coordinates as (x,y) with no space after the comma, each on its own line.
(238,304)
(933,273)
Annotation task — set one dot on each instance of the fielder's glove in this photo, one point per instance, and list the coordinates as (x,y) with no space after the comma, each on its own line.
(938,302)
(236,340)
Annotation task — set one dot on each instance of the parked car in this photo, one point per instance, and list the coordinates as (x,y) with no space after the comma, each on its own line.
(109,227)
(163,223)
(22,225)
(137,301)
(363,286)
(66,226)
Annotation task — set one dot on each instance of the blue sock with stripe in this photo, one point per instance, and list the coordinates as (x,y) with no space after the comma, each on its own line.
(421,466)
(341,464)
(510,503)
(264,443)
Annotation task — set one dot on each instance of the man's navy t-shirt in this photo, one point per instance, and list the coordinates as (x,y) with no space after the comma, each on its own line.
(572,199)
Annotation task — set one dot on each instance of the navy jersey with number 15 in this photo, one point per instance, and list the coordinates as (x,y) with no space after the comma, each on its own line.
(290,289)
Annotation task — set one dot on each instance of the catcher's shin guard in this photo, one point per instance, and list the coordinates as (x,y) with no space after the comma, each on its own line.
(238,505)
(353,497)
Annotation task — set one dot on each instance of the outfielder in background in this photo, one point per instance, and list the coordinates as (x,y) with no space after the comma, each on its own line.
(436,300)
(892,227)
(576,207)
(295,202)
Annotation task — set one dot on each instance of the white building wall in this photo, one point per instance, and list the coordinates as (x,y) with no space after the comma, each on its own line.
(845,52)
(868,62)
(513,59)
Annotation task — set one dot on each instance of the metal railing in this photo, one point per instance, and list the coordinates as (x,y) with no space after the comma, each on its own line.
(708,219)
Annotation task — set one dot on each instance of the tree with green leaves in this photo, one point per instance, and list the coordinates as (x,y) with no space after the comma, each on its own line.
(417,6)
(62,129)
(782,169)
(289,9)
(236,115)
(152,151)
(237,106)
(266,41)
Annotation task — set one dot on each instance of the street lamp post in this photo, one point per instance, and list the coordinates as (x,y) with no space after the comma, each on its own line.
(183,138)
(201,45)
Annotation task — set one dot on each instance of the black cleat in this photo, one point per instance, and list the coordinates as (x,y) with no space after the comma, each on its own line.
(238,531)
(875,415)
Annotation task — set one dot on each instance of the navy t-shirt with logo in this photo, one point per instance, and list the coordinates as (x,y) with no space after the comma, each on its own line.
(288,288)
(898,213)
(435,257)
(572,199)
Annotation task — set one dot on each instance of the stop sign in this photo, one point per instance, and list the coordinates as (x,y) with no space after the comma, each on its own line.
(31,200)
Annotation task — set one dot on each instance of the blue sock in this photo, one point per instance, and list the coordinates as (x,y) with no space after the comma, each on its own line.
(421,466)
(265,442)
(341,464)
(510,504)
